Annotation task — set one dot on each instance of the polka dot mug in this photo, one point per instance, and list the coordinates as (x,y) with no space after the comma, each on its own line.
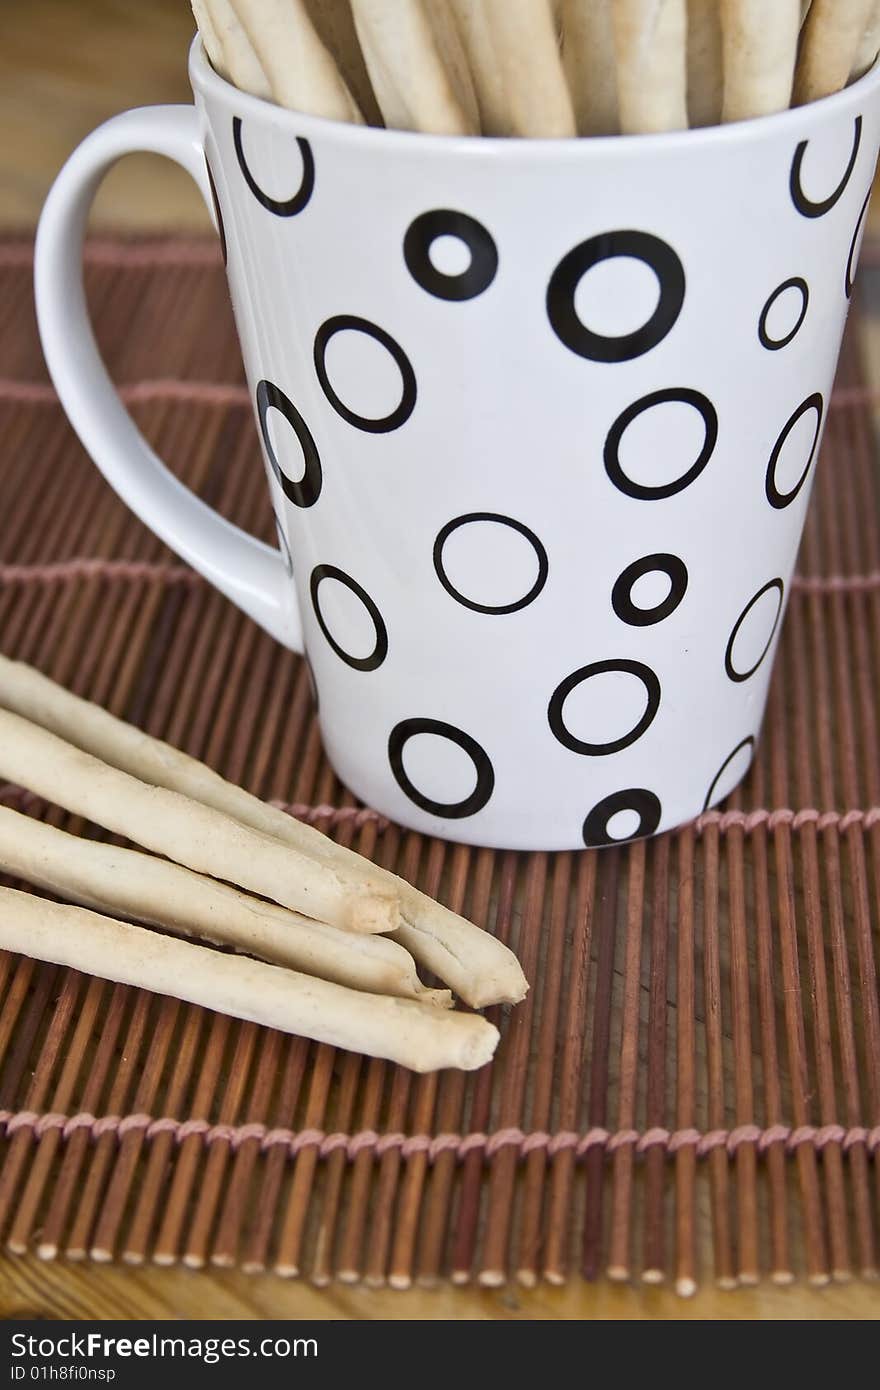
(540,421)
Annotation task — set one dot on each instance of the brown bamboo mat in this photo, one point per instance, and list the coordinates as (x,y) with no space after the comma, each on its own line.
(692,1090)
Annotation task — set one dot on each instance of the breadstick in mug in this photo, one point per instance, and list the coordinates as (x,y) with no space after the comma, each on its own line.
(239,59)
(209,36)
(832,33)
(302,74)
(476,36)
(705,79)
(127,883)
(412,84)
(760,50)
(527,51)
(414,1035)
(590,67)
(869,47)
(186,831)
(650,39)
(334,25)
(480,969)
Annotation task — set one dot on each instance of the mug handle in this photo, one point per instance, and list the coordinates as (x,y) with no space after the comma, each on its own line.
(247,571)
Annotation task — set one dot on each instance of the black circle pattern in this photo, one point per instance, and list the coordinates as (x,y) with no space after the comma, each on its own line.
(678,394)
(599,347)
(540,552)
(774,344)
(729,667)
(621,594)
(776,498)
(710,794)
(851,259)
(585,673)
(281,207)
(384,424)
(806,206)
(380,649)
(448,810)
(646,805)
(442,222)
(306,492)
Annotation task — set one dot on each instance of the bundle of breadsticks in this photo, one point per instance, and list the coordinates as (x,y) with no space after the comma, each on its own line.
(325,943)
(548,68)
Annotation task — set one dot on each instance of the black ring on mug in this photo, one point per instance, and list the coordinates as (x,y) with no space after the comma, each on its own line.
(776,498)
(676,394)
(380,650)
(341,323)
(774,344)
(425,230)
(805,206)
(449,810)
(597,668)
(729,667)
(543,563)
(281,207)
(306,492)
(600,347)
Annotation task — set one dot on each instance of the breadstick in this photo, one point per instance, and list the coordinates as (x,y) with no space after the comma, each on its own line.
(186,831)
(239,59)
(126,883)
(650,38)
(588,59)
(476,36)
(414,1035)
(303,76)
(334,25)
(869,47)
(454,58)
(760,49)
(527,51)
(832,33)
(705,81)
(209,36)
(412,84)
(480,969)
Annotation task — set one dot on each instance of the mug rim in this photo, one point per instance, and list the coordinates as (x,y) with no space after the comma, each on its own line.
(204,78)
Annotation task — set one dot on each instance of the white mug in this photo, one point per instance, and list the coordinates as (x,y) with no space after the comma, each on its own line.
(540,421)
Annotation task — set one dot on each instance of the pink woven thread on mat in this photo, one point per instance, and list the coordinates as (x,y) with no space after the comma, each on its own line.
(295,1141)
(359,816)
(136,392)
(84,566)
(356,816)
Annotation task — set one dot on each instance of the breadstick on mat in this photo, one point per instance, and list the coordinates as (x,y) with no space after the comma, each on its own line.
(413,85)
(475,32)
(590,67)
(869,46)
(186,831)
(527,51)
(242,66)
(126,883)
(209,36)
(705,79)
(760,49)
(479,968)
(650,39)
(832,33)
(302,74)
(414,1035)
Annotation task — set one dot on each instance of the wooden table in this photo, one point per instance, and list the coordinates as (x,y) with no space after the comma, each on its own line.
(65,65)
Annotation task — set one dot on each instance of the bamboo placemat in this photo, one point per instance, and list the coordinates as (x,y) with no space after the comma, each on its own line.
(692,1090)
